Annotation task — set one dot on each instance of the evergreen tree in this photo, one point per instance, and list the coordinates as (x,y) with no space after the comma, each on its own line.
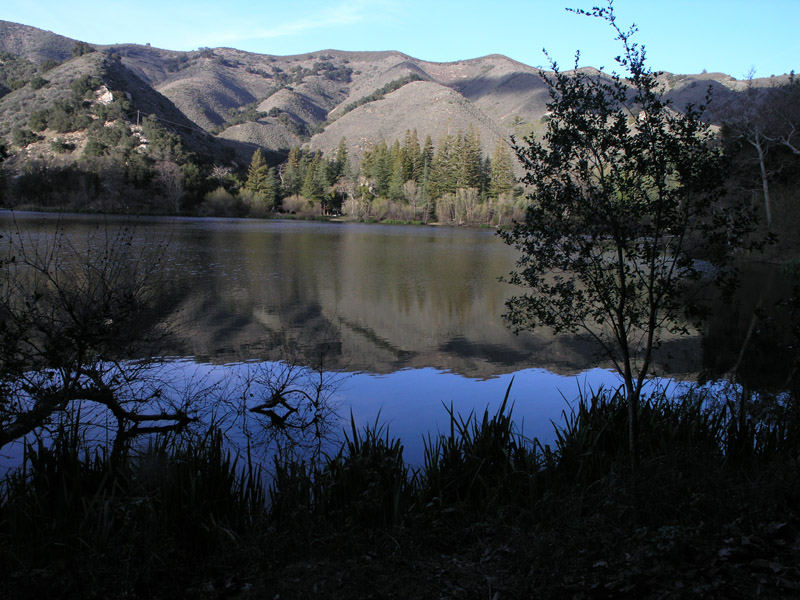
(294,174)
(442,173)
(258,175)
(339,166)
(271,189)
(398,178)
(501,170)
(427,154)
(469,160)
(315,184)
(381,171)
(415,158)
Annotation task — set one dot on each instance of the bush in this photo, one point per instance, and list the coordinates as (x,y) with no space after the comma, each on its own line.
(221,203)
(82,85)
(59,146)
(23,137)
(296,205)
(38,82)
(38,120)
(255,204)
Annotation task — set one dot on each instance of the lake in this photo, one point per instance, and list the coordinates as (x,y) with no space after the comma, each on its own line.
(409,318)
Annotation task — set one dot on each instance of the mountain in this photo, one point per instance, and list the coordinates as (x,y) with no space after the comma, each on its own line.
(224,96)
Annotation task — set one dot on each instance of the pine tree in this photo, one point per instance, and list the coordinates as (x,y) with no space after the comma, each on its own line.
(415,158)
(501,171)
(381,172)
(294,175)
(469,160)
(427,154)
(339,166)
(398,178)
(442,174)
(257,175)
(315,183)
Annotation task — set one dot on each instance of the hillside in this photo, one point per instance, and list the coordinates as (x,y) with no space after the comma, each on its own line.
(276,102)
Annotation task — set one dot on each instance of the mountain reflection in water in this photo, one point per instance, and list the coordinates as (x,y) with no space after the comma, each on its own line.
(414,313)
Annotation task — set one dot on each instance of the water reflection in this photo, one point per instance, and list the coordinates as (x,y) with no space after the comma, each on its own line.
(413,312)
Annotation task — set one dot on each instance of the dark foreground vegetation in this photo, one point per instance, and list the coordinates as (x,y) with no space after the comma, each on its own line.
(712,511)
(692,497)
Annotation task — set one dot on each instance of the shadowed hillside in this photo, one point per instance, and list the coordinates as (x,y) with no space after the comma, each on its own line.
(276,102)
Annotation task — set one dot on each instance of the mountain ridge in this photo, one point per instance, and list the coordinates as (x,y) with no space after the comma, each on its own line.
(275,102)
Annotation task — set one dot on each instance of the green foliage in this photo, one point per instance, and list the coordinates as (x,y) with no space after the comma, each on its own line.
(262,183)
(791,269)
(15,72)
(81,49)
(366,484)
(60,146)
(83,85)
(480,463)
(381,92)
(221,203)
(68,115)
(333,71)
(118,109)
(38,120)
(176,63)
(502,171)
(245,114)
(619,214)
(38,82)
(294,173)
(340,166)
(48,64)
(162,143)
(21,137)
(315,183)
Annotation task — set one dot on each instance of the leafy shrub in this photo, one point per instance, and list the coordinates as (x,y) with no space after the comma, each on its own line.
(66,116)
(221,203)
(81,49)
(82,85)
(60,146)
(38,120)
(38,82)
(48,65)
(23,137)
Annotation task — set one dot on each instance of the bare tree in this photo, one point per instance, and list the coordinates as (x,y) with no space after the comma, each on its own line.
(168,175)
(766,120)
(72,313)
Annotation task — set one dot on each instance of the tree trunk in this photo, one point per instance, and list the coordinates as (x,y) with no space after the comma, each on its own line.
(633,429)
(756,143)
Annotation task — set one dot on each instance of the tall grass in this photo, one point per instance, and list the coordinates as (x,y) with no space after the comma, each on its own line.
(70,509)
(70,514)
(366,483)
(479,463)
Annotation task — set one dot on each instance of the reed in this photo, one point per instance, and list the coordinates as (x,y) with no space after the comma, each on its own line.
(366,483)
(178,512)
(479,463)
(72,516)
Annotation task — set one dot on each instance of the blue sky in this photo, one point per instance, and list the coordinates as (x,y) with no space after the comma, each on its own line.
(681,36)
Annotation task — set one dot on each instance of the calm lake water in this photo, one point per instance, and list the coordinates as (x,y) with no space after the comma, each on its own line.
(410,317)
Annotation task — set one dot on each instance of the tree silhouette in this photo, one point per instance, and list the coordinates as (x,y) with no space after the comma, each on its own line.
(625,194)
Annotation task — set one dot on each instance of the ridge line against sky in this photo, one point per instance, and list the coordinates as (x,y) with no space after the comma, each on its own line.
(682,36)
